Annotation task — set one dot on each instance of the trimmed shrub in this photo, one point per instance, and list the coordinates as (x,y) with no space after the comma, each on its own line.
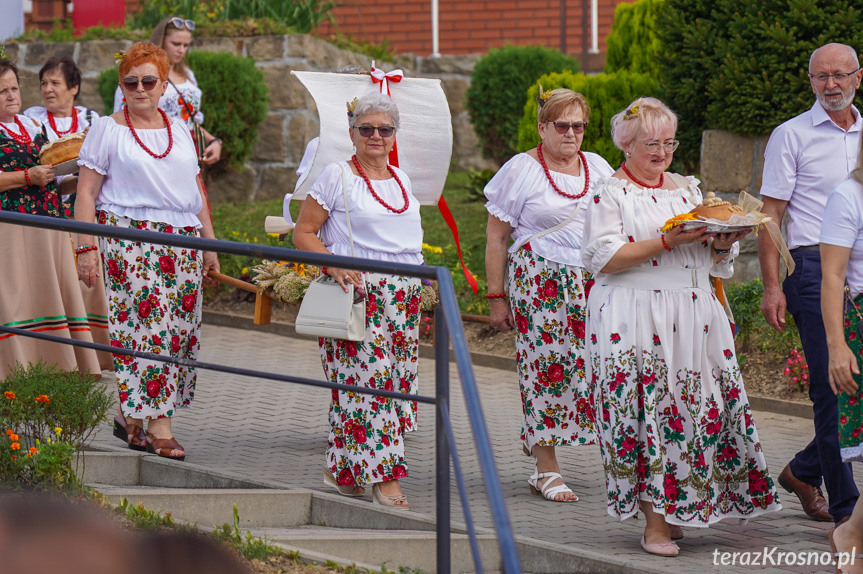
(235,101)
(741,66)
(633,44)
(607,94)
(108,80)
(496,95)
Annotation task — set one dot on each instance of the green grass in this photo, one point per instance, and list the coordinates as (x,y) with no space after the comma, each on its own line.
(244,221)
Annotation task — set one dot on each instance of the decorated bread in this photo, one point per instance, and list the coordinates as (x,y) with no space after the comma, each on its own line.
(711,208)
(61,150)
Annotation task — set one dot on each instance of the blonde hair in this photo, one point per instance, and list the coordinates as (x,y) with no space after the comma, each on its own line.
(164,29)
(145,53)
(646,116)
(557,102)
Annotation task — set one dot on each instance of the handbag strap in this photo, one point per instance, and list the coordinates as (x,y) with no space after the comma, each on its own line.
(681,181)
(186,105)
(560,225)
(347,209)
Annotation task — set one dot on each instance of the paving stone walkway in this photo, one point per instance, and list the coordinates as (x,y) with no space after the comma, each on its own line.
(277,431)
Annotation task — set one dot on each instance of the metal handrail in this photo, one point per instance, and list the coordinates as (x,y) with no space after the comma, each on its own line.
(450,328)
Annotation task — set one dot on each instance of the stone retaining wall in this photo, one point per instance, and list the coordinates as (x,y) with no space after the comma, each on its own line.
(292,118)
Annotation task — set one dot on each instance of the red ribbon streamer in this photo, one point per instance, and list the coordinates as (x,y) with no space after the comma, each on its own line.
(442,206)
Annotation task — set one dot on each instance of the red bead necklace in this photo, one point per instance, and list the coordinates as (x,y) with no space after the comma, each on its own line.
(140,143)
(73,129)
(551,181)
(641,183)
(23,137)
(375,195)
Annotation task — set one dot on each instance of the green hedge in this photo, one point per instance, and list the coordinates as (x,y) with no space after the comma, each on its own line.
(633,44)
(607,94)
(234,104)
(741,66)
(497,90)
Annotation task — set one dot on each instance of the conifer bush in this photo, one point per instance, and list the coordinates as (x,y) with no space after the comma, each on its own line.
(497,91)
(607,94)
(741,66)
(633,44)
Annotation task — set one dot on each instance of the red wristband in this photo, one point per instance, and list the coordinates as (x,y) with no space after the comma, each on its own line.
(664,244)
(496,296)
(27,178)
(85,249)
(323,270)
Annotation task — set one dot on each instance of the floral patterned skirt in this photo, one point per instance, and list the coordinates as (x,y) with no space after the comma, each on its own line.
(851,405)
(675,427)
(366,440)
(549,303)
(154,305)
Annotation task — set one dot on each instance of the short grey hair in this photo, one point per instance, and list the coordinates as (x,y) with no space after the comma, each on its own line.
(372,103)
(851,53)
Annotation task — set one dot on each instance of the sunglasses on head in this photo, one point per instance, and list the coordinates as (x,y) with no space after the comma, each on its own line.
(368,131)
(181,23)
(131,83)
(563,127)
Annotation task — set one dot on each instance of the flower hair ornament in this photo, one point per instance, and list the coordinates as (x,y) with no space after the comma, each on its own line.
(632,112)
(118,56)
(543,96)
(352,105)
(3,55)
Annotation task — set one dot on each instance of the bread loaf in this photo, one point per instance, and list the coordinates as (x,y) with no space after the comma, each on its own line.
(61,150)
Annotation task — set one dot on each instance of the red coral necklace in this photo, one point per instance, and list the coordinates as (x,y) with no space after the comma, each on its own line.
(375,195)
(641,183)
(551,181)
(73,129)
(23,137)
(140,143)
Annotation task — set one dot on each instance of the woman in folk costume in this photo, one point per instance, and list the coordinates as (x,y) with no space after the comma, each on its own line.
(366,439)
(139,169)
(59,86)
(675,428)
(39,288)
(538,199)
(182,99)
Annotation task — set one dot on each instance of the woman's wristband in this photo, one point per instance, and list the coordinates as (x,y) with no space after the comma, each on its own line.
(721,251)
(84,249)
(664,244)
(496,296)
(27,177)
(214,140)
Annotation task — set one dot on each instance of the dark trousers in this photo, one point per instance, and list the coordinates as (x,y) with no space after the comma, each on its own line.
(821,457)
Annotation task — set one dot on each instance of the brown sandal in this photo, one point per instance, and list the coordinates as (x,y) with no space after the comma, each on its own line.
(130,433)
(158,445)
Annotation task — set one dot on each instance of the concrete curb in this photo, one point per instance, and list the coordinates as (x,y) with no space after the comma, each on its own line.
(758,403)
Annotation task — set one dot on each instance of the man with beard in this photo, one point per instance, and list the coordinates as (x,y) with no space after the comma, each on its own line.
(806,157)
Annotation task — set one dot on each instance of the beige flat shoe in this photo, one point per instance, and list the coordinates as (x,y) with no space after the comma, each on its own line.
(394,502)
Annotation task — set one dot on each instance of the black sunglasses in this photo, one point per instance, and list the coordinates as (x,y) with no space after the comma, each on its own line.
(181,23)
(368,131)
(130,83)
(563,127)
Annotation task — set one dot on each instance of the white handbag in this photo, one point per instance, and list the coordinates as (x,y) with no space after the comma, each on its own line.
(326,310)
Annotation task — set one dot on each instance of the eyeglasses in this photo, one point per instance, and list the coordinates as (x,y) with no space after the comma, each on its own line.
(131,83)
(653,147)
(180,23)
(368,131)
(563,127)
(838,78)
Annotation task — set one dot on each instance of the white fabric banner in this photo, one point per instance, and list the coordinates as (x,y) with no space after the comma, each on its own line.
(424,138)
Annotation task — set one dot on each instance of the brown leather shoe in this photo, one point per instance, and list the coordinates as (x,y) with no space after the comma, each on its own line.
(813,502)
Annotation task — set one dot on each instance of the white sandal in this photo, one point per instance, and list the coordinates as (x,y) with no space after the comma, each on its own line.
(548,491)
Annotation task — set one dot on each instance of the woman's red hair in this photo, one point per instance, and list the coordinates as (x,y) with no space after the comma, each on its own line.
(145,53)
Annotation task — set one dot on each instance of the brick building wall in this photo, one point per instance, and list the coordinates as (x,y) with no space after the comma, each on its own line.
(468,27)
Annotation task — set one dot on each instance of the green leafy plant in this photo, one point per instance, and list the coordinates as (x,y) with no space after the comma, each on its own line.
(607,94)
(37,399)
(633,44)
(235,101)
(477,182)
(382,52)
(497,93)
(753,331)
(36,464)
(248,546)
(108,80)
